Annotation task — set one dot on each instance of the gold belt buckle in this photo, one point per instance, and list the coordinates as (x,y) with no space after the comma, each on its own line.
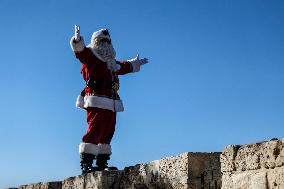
(115,86)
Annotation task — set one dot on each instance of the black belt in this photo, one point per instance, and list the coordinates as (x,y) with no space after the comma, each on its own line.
(97,83)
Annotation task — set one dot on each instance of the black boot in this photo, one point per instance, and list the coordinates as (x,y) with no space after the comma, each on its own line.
(87,162)
(102,163)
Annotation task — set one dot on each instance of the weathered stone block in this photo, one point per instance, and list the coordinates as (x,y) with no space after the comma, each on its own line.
(275,178)
(269,154)
(257,166)
(247,158)
(280,154)
(254,179)
(227,158)
(43,185)
(245,180)
(97,180)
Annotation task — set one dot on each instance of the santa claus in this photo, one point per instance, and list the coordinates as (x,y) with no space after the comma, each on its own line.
(99,98)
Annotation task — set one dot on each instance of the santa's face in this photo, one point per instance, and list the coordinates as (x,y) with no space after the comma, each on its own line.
(105,40)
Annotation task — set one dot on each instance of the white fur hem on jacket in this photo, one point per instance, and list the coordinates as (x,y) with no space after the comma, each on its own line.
(77,46)
(88,148)
(99,102)
(104,149)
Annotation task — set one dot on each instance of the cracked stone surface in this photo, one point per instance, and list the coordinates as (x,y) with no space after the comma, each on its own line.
(253,166)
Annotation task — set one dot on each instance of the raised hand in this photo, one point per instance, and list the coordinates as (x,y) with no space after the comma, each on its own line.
(139,61)
(77,33)
(143,61)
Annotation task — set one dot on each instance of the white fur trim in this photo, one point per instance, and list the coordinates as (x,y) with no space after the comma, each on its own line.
(135,65)
(100,102)
(88,148)
(104,149)
(80,101)
(104,103)
(77,46)
(99,34)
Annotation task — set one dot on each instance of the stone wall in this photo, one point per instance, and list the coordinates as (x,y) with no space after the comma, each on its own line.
(253,166)
(185,171)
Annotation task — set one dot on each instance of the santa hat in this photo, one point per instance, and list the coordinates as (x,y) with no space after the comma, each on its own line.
(102,33)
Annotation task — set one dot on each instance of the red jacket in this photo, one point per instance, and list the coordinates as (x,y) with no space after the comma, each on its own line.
(93,66)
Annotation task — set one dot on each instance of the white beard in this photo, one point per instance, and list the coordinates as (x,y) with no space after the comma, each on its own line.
(107,53)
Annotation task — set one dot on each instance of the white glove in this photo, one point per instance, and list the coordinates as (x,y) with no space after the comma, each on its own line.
(137,60)
(77,33)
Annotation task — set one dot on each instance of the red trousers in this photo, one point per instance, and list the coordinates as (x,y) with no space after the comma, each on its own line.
(101,124)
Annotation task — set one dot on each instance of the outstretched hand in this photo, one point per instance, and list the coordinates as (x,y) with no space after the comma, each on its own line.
(141,61)
(77,33)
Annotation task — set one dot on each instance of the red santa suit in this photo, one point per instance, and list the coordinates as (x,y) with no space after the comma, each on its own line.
(99,97)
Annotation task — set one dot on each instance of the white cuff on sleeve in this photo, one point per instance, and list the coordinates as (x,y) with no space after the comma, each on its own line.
(77,46)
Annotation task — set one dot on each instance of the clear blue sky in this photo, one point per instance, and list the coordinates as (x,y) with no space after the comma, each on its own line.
(215,78)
